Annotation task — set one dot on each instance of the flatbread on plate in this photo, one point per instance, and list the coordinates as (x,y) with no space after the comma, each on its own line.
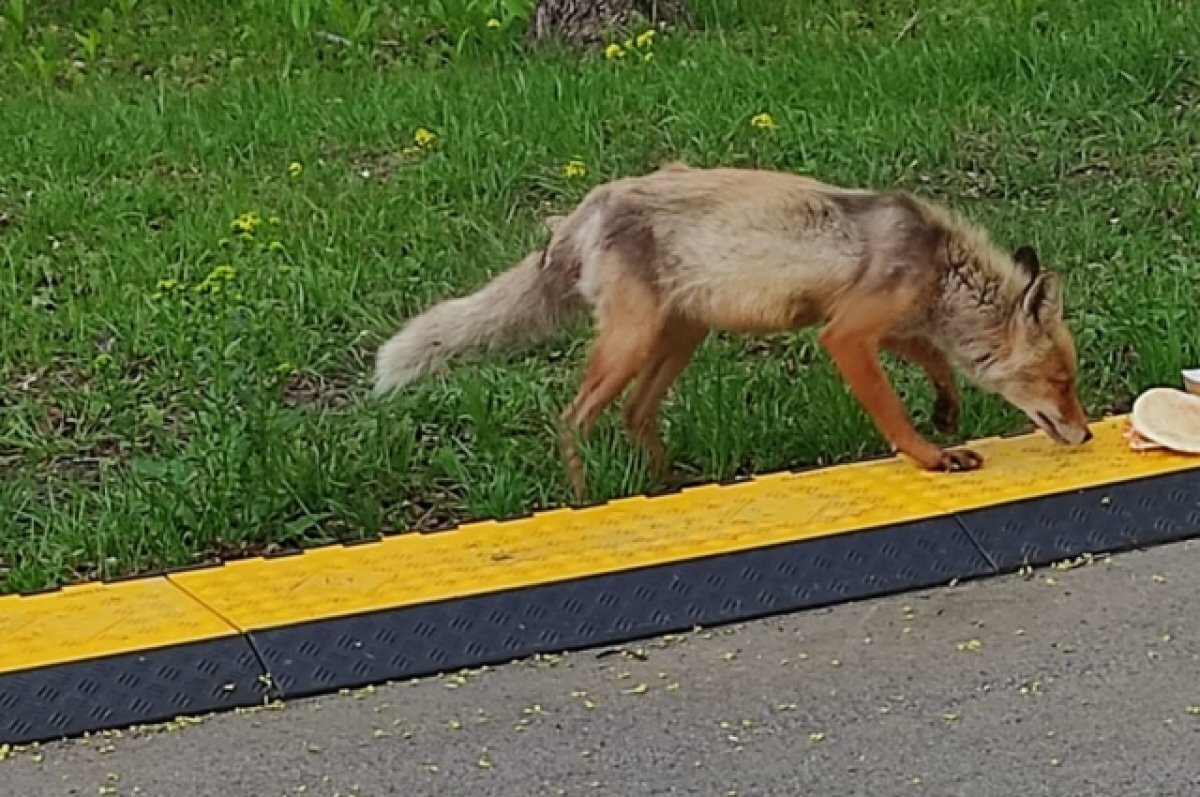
(1167,417)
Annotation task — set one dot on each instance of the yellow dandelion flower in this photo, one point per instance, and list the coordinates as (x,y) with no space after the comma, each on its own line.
(763,121)
(247,223)
(614,50)
(295,168)
(645,39)
(423,137)
(574,168)
(493,23)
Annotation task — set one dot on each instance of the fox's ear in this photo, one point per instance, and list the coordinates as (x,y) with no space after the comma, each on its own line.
(1027,259)
(1043,300)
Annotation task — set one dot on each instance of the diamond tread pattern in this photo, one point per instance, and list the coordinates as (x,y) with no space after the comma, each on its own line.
(129,689)
(1112,518)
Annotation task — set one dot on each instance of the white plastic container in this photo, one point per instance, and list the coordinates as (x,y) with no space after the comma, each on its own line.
(1191,381)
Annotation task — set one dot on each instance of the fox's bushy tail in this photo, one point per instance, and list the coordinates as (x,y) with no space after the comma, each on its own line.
(531,300)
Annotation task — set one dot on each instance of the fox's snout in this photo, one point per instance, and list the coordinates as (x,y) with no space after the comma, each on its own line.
(1068,428)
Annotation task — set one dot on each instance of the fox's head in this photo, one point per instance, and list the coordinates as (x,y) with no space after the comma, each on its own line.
(1034,366)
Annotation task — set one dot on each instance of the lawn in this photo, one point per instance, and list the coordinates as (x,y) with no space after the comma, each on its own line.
(211,217)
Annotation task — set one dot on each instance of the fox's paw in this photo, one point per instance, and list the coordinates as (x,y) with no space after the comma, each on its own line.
(960,459)
(945,415)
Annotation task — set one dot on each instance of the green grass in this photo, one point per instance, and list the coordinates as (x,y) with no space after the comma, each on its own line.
(145,424)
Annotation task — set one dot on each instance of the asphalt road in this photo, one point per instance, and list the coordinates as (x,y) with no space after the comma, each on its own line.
(1063,683)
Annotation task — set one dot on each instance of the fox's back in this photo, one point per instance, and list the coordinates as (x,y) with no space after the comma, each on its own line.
(748,249)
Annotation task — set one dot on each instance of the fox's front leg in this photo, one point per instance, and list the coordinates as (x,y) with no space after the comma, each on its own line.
(947,402)
(852,340)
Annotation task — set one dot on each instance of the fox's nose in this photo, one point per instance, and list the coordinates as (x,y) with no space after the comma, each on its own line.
(1087,435)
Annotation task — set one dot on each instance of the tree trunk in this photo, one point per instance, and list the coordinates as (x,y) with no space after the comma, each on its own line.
(582,22)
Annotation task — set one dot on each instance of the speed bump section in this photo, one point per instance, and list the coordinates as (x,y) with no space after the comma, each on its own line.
(447,635)
(1109,518)
(92,621)
(1037,502)
(560,545)
(145,650)
(108,655)
(64,700)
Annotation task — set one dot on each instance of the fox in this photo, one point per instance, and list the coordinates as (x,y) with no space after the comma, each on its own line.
(664,258)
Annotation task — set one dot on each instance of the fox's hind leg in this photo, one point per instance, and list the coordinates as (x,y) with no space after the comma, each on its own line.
(946,403)
(672,352)
(629,322)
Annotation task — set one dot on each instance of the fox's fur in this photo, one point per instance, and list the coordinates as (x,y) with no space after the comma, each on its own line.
(663,258)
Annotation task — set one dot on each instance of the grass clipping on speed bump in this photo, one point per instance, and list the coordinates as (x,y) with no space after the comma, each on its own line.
(211,217)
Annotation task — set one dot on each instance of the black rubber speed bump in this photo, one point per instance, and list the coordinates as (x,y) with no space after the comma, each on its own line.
(131,689)
(1112,518)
